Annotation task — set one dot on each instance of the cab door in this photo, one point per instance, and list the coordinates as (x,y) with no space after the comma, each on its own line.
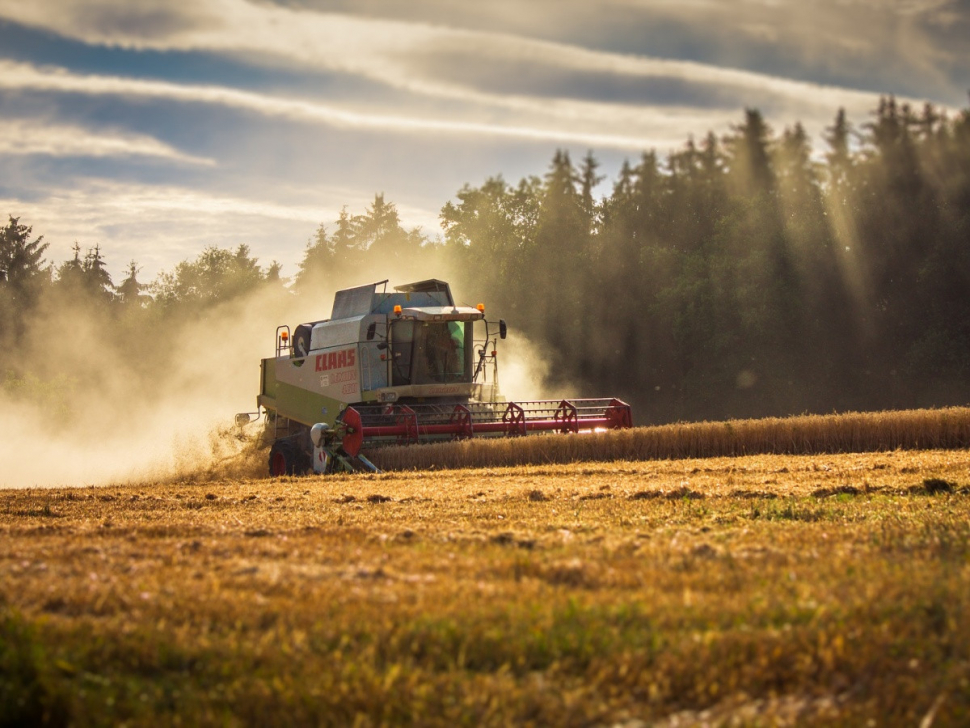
(400,352)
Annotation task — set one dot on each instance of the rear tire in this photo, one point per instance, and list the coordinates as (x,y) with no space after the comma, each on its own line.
(285,458)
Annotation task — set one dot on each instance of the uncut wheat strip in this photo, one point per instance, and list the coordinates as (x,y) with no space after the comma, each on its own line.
(795,435)
(802,435)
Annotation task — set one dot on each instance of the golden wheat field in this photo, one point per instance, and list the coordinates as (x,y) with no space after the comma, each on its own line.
(759,590)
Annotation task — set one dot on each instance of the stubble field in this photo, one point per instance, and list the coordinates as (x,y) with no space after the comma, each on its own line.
(772,589)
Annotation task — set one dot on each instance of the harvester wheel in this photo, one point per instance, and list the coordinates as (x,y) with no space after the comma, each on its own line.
(285,458)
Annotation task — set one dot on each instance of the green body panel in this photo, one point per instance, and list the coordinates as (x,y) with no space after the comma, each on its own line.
(305,406)
(267,378)
(287,389)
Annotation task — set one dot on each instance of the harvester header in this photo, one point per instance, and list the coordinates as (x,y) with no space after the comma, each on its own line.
(398,367)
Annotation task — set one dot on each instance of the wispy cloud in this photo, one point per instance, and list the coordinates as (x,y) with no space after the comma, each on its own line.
(914,47)
(38,136)
(414,57)
(910,37)
(564,121)
(181,221)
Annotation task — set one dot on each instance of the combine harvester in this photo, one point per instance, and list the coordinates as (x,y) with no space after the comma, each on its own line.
(398,368)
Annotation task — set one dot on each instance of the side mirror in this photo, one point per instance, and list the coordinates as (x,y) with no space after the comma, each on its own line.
(503,330)
(371,330)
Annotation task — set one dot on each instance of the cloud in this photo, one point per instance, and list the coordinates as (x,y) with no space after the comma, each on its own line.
(159,225)
(37,136)
(906,47)
(556,120)
(468,69)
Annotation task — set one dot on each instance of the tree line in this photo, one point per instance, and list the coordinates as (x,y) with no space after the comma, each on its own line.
(743,275)
(746,275)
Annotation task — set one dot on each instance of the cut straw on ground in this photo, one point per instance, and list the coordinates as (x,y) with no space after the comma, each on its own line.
(758,590)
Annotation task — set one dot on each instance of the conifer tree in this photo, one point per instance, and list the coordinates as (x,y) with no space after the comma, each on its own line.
(317,261)
(24,277)
(22,269)
(96,278)
(70,274)
(130,289)
(838,156)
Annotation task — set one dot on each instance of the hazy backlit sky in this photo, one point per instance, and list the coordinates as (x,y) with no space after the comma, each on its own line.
(156,127)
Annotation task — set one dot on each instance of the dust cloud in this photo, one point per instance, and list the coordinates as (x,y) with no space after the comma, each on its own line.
(524,369)
(139,402)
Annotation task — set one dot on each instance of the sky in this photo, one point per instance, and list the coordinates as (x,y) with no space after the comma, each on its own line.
(154,128)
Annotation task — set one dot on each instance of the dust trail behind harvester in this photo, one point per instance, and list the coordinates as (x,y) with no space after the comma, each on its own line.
(134,403)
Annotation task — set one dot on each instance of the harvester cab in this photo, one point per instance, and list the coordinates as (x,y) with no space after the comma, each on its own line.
(395,368)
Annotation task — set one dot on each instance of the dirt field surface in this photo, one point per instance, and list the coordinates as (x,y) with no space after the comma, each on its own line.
(769,590)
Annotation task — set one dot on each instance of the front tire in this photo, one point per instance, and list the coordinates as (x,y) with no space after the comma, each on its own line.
(285,458)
